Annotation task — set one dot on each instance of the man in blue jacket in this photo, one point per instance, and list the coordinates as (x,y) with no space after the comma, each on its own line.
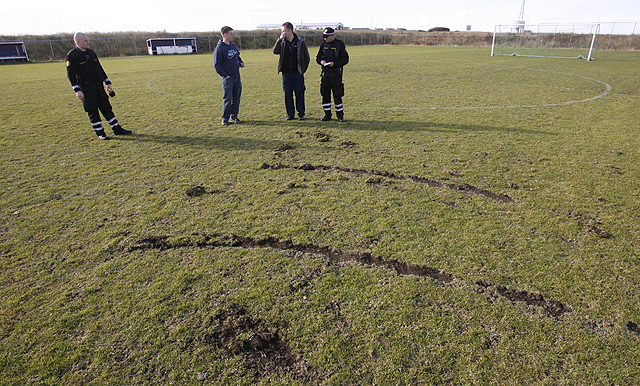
(227,63)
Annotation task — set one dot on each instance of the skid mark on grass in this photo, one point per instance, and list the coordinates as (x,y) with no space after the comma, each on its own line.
(263,351)
(552,308)
(466,188)
(589,224)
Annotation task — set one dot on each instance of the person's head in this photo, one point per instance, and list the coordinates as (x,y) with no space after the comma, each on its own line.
(227,33)
(287,30)
(328,34)
(81,40)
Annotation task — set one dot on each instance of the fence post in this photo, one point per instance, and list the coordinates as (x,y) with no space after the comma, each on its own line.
(633,32)
(610,34)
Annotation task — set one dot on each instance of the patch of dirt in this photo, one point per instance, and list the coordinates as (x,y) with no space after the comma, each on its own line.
(599,232)
(196,191)
(436,184)
(263,351)
(552,308)
(284,147)
(322,137)
(633,327)
(154,242)
(590,223)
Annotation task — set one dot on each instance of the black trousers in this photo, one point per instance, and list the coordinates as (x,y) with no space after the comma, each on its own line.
(332,84)
(96,99)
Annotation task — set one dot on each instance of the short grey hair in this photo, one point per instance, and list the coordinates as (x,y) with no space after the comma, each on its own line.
(77,35)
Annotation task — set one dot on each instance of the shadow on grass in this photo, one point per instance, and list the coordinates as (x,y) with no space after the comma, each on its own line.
(395,125)
(227,138)
(429,126)
(213,141)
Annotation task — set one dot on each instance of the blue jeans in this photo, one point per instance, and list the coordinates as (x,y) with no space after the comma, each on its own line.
(293,83)
(232,89)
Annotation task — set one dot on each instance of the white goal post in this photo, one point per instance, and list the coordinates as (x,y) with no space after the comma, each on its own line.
(546,40)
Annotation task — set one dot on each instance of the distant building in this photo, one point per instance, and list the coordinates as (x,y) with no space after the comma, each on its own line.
(334,25)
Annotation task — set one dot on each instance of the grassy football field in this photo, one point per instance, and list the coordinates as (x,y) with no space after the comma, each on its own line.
(475,221)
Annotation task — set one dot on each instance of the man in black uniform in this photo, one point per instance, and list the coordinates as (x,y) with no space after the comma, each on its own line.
(332,56)
(86,76)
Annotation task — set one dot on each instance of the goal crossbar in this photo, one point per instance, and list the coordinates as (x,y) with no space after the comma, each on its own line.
(560,41)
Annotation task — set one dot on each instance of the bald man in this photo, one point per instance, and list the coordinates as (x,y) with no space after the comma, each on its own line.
(86,76)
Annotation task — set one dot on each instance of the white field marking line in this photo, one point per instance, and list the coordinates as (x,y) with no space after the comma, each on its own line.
(604,93)
(507,83)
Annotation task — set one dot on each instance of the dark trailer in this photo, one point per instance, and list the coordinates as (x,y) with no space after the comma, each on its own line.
(12,52)
(160,46)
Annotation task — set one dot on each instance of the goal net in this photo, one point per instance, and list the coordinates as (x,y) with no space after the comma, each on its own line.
(546,40)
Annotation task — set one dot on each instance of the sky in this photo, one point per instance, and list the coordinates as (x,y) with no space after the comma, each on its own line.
(39,17)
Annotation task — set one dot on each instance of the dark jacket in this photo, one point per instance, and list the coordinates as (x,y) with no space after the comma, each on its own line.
(335,52)
(83,67)
(226,59)
(303,53)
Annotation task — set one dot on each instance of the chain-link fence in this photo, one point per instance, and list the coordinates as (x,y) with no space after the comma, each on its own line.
(55,48)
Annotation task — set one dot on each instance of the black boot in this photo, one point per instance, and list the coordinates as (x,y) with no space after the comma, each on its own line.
(340,115)
(327,116)
(118,130)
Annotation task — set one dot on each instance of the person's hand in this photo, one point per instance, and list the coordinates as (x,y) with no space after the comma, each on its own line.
(282,36)
(323,62)
(80,95)
(109,88)
(241,64)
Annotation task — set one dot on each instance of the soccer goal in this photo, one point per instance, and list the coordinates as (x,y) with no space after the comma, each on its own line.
(546,40)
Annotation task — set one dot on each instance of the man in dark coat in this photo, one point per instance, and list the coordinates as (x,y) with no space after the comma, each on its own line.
(86,76)
(293,63)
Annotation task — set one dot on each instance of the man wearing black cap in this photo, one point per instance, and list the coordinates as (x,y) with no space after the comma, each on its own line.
(332,56)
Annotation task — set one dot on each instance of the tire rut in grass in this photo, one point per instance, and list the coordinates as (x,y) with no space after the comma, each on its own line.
(552,308)
(590,224)
(466,188)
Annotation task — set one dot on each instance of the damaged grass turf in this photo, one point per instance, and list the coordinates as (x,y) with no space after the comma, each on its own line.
(433,183)
(263,351)
(552,308)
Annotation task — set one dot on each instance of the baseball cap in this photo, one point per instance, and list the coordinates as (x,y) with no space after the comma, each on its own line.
(327,32)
